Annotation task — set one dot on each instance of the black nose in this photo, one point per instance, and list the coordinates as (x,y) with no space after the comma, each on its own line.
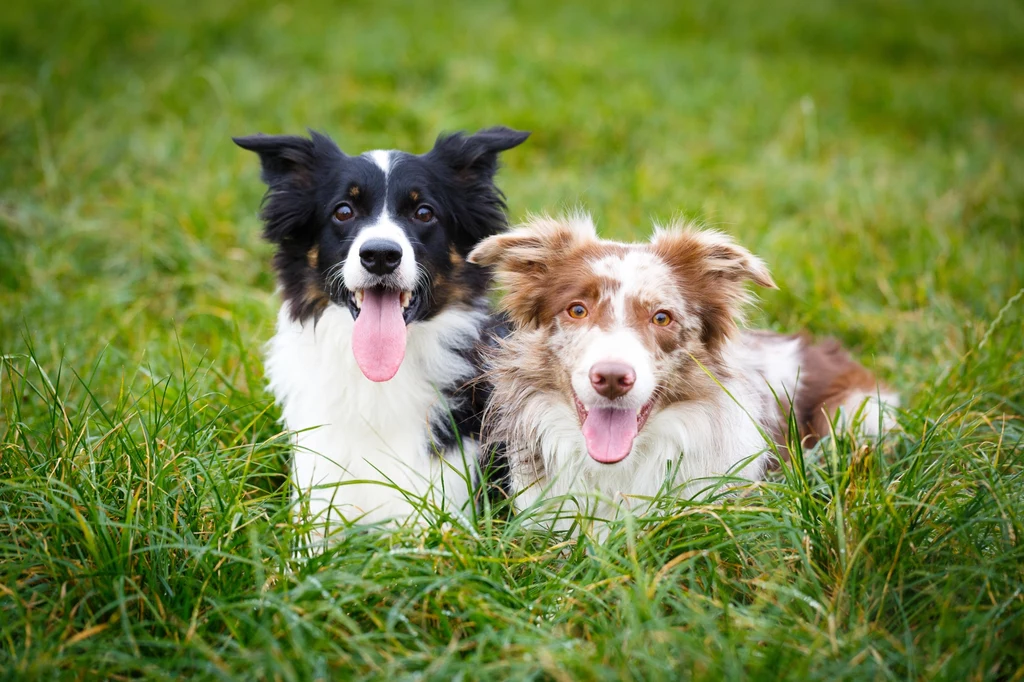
(380,256)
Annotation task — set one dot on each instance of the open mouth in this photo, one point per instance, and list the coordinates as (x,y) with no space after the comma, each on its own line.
(378,336)
(407,300)
(610,431)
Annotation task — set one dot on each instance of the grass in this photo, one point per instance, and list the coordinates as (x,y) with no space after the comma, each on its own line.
(872,152)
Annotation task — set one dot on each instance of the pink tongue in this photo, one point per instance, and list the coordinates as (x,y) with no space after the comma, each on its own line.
(378,340)
(609,433)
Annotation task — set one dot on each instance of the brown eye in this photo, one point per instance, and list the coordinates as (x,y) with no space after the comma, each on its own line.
(662,319)
(344,212)
(424,214)
(577,311)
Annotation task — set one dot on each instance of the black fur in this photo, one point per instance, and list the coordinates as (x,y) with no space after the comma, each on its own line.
(308,178)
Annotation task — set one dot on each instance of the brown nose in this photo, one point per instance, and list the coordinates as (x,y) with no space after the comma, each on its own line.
(612,379)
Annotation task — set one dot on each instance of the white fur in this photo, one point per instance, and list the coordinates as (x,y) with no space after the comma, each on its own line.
(687,444)
(868,414)
(355,275)
(348,428)
(619,344)
(636,272)
(383,158)
(777,360)
(687,447)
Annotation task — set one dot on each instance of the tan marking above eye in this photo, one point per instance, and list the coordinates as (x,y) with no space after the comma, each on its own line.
(662,318)
(577,311)
(353,191)
(414,195)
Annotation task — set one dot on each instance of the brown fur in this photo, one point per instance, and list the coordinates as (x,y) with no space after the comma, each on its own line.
(712,273)
(551,264)
(520,370)
(315,298)
(542,270)
(830,376)
(456,286)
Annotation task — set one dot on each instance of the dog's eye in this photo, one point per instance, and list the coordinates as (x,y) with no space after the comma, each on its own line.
(577,311)
(343,212)
(424,214)
(662,319)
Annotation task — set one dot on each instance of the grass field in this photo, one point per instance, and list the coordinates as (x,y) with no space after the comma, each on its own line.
(871,152)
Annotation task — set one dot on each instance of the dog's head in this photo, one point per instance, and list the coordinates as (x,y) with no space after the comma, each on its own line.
(384,234)
(624,328)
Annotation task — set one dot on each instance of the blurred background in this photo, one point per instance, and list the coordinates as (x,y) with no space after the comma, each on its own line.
(872,152)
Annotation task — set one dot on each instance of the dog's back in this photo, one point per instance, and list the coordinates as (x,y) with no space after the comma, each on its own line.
(819,382)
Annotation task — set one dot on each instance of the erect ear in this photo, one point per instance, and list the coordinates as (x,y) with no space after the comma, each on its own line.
(472,160)
(711,254)
(281,156)
(289,163)
(524,258)
(712,270)
(476,154)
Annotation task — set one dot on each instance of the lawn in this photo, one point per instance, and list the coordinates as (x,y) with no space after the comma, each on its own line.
(871,152)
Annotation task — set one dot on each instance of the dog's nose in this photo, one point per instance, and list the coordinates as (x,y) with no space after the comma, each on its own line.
(380,256)
(612,379)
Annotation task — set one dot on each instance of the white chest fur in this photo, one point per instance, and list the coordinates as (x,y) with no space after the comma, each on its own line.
(692,444)
(373,438)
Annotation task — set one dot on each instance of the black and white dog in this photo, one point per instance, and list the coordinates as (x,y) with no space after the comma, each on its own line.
(377,338)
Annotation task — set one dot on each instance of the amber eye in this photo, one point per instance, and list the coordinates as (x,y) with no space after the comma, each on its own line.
(577,311)
(661,318)
(344,212)
(424,214)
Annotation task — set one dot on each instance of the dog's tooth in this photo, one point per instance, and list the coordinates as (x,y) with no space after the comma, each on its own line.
(406,299)
(359,298)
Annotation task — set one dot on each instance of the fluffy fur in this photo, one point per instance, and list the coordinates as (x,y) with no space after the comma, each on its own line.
(704,392)
(362,444)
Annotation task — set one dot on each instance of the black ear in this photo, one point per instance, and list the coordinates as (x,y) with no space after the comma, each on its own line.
(289,165)
(280,155)
(477,154)
(473,161)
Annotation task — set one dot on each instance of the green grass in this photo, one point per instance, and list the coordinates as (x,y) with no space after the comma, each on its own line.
(871,152)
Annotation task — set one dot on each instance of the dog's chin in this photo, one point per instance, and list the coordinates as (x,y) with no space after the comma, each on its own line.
(413,302)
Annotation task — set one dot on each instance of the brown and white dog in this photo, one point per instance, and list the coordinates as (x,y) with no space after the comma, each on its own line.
(627,361)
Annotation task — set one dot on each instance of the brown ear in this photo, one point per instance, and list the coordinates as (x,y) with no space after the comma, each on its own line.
(523,257)
(712,269)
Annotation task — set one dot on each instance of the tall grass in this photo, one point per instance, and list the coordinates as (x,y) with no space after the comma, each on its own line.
(871,152)
(150,534)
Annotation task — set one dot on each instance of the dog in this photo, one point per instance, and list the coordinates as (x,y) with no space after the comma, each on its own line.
(377,337)
(628,360)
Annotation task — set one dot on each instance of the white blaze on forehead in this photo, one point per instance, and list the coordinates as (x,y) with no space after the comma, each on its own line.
(640,274)
(635,273)
(385,227)
(382,159)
